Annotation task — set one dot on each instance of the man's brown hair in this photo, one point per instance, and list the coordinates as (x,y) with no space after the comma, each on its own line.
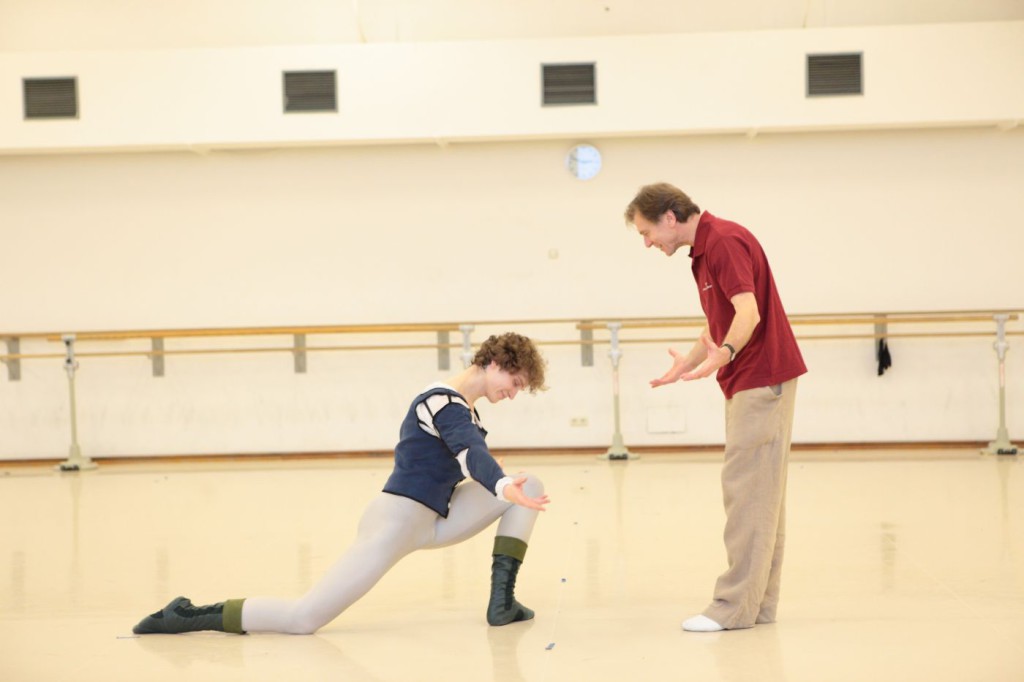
(652,201)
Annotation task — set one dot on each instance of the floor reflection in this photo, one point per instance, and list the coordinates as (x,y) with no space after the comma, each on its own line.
(898,568)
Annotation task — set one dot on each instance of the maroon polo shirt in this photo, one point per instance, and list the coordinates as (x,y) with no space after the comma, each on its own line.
(728,260)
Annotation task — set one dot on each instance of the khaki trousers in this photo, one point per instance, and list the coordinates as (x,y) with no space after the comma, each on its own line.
(758,430)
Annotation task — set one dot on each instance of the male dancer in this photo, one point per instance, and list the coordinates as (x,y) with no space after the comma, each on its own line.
(422,506)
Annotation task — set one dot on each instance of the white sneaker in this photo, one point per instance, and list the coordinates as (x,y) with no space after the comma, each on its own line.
(701,624)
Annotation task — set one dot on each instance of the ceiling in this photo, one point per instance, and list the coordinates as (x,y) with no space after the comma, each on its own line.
(30,25)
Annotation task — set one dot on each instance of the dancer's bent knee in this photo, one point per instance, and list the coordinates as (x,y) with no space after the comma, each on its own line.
(533,486)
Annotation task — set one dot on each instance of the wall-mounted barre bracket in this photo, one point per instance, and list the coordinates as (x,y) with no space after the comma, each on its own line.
(881,331)
(467,344)
(299,350)
(882,354)
(444,356)
(586,344)
(157,358)
(13,364)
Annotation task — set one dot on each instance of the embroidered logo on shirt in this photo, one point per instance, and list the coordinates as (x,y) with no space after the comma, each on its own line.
(706,286)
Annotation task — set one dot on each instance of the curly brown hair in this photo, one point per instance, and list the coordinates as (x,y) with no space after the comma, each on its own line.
(514,353)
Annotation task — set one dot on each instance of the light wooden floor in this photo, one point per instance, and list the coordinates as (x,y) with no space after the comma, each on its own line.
(900,566)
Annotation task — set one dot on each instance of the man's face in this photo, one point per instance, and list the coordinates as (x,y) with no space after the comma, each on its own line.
(663,234)
(501,384)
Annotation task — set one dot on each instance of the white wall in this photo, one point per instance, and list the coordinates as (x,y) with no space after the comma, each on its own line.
(891,210)
(853,222)
(472,91)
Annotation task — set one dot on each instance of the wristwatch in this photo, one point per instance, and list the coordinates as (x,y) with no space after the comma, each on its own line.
(732,351)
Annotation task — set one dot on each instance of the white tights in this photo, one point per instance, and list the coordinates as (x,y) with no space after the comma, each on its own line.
(391,527)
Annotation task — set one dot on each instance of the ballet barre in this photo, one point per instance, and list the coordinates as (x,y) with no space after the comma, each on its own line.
(620,331)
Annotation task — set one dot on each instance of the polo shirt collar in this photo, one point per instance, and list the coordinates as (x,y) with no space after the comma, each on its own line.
(700,239)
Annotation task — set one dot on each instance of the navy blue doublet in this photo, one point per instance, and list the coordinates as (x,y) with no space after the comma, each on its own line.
(441,443)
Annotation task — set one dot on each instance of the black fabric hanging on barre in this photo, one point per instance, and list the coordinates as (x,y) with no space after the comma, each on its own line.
(882,354)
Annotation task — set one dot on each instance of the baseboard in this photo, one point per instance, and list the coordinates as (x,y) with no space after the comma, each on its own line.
(921,447)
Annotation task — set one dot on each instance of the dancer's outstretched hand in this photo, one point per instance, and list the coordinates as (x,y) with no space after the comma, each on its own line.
(514,494)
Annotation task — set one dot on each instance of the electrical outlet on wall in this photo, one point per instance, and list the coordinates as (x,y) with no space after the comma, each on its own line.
(579,421)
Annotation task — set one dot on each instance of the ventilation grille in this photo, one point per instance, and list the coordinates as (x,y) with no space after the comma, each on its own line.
(569,84)
(834,74)
(51,97)
(310,91)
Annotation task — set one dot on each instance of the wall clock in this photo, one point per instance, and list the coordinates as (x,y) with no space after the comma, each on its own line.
(583,161)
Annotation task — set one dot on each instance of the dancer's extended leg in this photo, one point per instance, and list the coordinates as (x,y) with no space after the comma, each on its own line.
(391,528)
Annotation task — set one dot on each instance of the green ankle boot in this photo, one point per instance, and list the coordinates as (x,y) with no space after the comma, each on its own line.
(503,607)
(181,616)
